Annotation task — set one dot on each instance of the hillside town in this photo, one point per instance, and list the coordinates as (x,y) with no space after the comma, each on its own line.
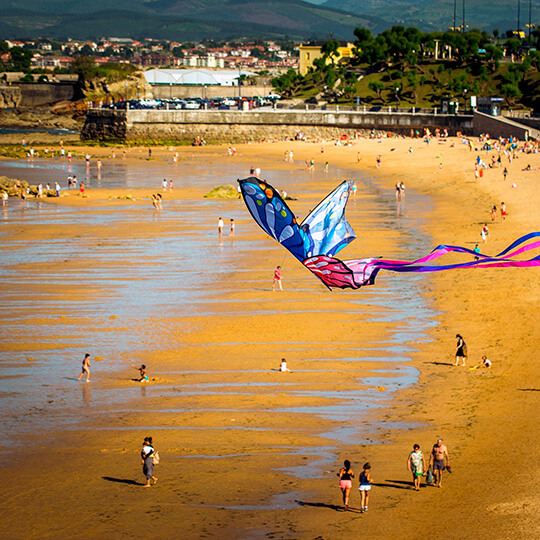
(53,55)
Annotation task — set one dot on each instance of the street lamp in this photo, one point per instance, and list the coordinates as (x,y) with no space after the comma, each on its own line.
(240,82)
(170,90)
(397,97)
(138,88)
(125,91)
(530,25)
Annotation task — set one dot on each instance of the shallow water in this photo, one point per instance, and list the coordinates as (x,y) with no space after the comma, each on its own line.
(171,278)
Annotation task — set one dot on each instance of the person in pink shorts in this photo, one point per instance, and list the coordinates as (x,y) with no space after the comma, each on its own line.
(346,474)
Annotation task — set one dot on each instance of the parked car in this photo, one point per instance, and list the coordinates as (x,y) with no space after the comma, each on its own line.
(191,104)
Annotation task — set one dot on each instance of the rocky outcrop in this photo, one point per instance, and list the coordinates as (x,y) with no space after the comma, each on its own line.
(105,125)
(10,97)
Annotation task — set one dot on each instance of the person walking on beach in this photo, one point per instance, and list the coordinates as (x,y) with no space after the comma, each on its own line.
(440,460)
(85,365)
(365,487)
(503,211)
(148,457)
(484,233)
(277,279)
(346,474)
(232,228)
(220,227)
(416,465)
(5,198)
(461,350)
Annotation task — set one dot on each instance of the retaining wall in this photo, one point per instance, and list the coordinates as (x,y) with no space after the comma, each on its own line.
(499,126)
(257,124)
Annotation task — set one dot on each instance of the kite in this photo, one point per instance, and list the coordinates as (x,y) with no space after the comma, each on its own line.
(325,231)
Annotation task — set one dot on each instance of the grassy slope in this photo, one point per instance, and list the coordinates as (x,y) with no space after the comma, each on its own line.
(428,94)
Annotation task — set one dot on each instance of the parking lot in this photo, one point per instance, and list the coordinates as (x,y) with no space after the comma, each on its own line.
(196,103)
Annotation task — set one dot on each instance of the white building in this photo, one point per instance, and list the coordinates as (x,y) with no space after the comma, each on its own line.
(224,77)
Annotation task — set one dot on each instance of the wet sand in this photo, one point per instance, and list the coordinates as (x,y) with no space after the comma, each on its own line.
(248,452)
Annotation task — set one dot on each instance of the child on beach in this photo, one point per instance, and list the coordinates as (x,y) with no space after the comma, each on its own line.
(283,366)
(365,487)
(277,279)
(85,365)
(142,373)
(346,474)
(416,465)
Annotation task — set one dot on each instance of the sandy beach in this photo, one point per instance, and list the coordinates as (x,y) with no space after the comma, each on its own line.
(248,452)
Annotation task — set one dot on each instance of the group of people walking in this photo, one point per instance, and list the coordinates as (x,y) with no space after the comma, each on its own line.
(439,461)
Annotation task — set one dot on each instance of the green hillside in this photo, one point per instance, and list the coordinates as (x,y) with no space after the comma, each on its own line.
(180,20)
(439,14)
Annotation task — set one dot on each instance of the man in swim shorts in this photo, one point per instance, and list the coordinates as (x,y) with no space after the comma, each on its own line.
(440,459)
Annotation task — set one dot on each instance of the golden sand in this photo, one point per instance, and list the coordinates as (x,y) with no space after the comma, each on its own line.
(85,484)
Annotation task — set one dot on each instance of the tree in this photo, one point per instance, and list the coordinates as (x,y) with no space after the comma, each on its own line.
(511,92)
(329,49)
(87,50)
(363,35)
(84,67)
(20,58)
(412,80)
(178,52)
(377,87)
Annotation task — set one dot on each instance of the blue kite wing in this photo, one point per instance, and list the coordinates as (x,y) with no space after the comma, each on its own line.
(273,215)
(326,227)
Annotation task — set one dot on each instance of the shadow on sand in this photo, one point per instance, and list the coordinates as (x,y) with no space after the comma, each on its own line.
(440,363)
(334,507)
(122,481)
(396,484)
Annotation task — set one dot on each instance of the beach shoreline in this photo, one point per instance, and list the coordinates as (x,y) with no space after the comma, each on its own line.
(463,299)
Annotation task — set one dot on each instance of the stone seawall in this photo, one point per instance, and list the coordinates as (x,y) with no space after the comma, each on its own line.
(257,124)
(500,126)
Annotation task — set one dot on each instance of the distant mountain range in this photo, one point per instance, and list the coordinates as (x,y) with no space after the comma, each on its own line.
(179,20)
(183,20)
(433,15)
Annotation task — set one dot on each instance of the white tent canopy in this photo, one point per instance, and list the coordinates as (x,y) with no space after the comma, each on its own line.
(224,77)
